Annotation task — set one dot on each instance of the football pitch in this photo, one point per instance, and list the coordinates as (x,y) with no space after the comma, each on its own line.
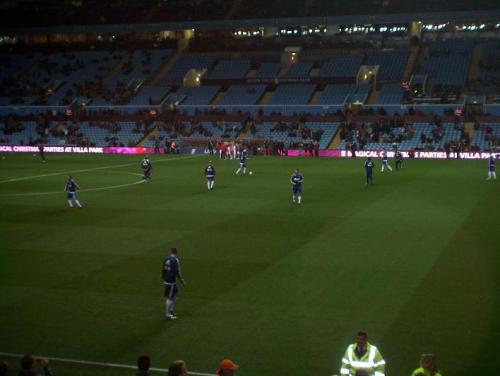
(280,289)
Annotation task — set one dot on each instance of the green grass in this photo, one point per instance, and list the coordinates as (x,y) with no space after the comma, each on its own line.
(279,288)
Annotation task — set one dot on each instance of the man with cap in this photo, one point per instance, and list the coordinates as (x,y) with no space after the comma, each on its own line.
(227,368)
(171,272)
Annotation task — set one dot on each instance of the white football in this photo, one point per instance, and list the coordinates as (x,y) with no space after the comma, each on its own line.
(250,173)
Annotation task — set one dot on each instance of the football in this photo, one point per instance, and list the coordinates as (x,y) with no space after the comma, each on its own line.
(250,173)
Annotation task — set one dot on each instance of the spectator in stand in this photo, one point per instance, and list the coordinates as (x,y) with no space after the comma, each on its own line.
(30,364)
(227,368)
(177,368)
(316,148)
(353,150)
(428,366)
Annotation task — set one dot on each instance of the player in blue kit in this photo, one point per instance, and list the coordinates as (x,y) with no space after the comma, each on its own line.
(369,166)
(146,167)
(210,175)
(385,162)
(171,271)
(243,162)
(491,169)
(296,179)
(71,188)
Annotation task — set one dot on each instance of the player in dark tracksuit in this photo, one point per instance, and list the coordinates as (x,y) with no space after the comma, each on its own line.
(243,162)
(210,175)
(369,166)
(399,160)
(385,162)
(41,152)
(70,187)
(171,271)
(491,169)
(146,167)
(296,180)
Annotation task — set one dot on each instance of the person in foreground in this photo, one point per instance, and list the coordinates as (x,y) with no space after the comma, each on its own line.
(428,366)
(362,357)
(227,368)
(178,368)
(29,366)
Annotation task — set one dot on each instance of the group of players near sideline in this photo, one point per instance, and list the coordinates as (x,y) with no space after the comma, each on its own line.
(296,179)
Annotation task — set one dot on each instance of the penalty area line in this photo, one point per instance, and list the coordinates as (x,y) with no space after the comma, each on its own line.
(100,364)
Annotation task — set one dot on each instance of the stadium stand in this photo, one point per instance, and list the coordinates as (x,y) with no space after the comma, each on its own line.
(336,94)
(489,64)
(191,61)
(185,131)
(293,94)
(448,62)
(230,69)
(299,70)
(486,136)
(392,63)
(140,66)
(242,95)
(390,94)
(63,133)
(149,95)
(295,133)
(342,66)
(268,70)
(201,95)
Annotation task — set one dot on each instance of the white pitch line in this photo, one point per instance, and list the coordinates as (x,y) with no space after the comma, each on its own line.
(88,169)
(102,364)
(124,173)
(80,190)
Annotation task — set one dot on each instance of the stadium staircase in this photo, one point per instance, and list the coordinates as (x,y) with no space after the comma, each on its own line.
(115,69)
(243,132)
(474,64)
(28,72)
(372,98)
(147,137)
(217,98)
(334,143)
(163,70)
(412,60)
(315,97)
(266,98)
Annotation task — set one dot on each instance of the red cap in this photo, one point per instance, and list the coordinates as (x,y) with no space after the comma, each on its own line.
(228,364)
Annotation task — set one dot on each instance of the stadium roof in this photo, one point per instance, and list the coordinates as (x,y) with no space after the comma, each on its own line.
(463,16)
